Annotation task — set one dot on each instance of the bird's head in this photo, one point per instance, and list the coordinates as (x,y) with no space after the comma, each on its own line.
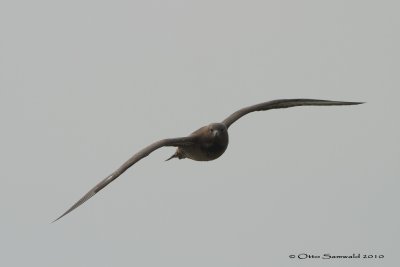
(217,130)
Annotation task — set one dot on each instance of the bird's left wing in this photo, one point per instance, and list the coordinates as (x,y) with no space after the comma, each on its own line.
(283,103)
(180,141)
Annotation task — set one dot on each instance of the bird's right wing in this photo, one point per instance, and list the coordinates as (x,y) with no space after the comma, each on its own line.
(181,141)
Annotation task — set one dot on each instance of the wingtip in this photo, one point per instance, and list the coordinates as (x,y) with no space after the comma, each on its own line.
(58,218)
(349,102)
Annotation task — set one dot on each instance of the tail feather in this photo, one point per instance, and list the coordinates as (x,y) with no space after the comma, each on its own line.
(175,155)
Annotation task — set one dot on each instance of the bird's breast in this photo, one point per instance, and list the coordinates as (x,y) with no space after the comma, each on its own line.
(206,151)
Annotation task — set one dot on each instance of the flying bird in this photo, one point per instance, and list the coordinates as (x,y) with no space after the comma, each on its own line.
(205,144)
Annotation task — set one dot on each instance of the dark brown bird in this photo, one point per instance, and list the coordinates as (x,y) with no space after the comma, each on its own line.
(207,143)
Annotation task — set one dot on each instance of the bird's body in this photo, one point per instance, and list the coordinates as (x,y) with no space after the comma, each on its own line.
(211,141)
(205,144)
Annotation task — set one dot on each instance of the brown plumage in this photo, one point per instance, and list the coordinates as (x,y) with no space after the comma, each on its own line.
(205,144)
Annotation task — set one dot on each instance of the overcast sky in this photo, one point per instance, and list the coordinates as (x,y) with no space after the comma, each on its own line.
(86,84)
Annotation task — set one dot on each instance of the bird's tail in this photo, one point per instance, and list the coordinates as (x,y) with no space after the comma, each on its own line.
(175,155)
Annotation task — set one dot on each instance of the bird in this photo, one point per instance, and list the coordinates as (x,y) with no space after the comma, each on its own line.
(205,144)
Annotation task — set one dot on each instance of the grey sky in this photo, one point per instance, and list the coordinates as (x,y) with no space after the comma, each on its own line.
(85,84)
